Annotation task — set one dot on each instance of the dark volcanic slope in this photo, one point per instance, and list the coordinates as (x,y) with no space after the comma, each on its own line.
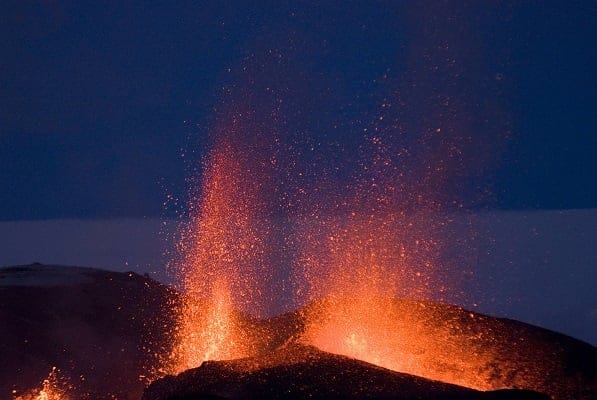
(451,344)
(101,329)
(299,372)
(104,329)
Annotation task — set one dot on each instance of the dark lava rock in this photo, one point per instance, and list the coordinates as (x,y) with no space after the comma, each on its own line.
(500,352)
(102,329)
(299,372)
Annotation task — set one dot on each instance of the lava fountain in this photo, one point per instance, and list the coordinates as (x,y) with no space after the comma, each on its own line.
(356,251)
(222,250)
(368,263)
(356,255)
(360,254)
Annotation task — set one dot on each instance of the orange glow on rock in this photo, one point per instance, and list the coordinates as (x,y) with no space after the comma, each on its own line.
(404,336)
(53,388)
(383,242)
(356,270)
(355,253)
(208,330)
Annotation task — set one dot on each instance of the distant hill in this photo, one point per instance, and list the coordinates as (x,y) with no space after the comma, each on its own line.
(102,329)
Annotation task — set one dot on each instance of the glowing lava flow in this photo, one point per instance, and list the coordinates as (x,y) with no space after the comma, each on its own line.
(221,248)
(417,338)
(52,388)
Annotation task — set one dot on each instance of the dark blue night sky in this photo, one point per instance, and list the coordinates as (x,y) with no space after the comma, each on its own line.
(101,100)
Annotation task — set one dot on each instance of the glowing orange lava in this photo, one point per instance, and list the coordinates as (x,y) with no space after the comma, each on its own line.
(357,268)
(355,256)
(406,336)
(382,243)
(214,337)
(52,388)
(222,249)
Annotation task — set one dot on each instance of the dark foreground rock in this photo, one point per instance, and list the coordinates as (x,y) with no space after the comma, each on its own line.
(300,372)
(103,330)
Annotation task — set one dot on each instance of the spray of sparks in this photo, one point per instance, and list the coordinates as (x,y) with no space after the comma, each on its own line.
(358,255)
(222,251)
(355,255)
(409,337)
(52,388)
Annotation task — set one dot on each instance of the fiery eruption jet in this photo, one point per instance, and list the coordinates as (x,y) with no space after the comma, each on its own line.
(222,252)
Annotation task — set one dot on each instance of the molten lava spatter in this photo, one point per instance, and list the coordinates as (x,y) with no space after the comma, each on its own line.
(403,336)
(355,252)
(53,388)
(366,263)
(215,335)
(221,266)
(380,243)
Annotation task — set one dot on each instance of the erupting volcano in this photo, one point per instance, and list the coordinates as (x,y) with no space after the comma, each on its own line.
(290,200)
(364,262)
(356,269)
